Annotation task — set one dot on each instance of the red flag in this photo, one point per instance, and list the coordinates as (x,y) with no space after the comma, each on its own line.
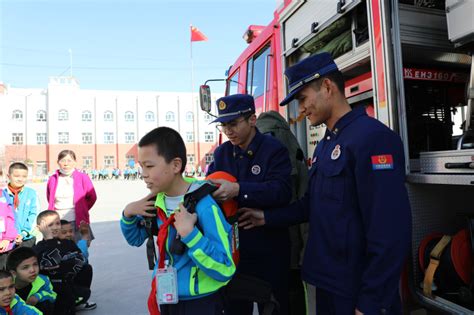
(197,35)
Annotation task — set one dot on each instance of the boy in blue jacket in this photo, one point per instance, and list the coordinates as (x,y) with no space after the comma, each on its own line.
(24,202)
(32,287)
(10,303)
(206,264)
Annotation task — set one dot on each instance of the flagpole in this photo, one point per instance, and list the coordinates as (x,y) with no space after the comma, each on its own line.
(196,136)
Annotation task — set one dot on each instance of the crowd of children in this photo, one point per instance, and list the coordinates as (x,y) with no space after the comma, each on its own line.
(51,276)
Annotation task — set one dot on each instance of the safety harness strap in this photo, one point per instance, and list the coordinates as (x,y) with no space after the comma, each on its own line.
(435,256)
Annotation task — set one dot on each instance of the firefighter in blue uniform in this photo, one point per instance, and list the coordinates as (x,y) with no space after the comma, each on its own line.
(357,204)
(262,167)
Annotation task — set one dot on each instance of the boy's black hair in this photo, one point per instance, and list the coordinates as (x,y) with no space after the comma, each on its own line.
(44,214)
(18,255)
(5,274)
(17,166)
(65,222)
(168,143)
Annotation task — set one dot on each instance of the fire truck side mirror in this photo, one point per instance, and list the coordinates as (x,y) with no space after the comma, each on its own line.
(205,98)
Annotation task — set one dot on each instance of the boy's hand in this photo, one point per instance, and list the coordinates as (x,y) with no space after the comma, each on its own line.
(250,218)
(18,239)
(85,231)
(185,221)
(32,300)
(139,207)
(45,230)
(227,190)
(4,245)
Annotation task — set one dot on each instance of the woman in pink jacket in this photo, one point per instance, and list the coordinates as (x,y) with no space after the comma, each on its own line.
(70,192)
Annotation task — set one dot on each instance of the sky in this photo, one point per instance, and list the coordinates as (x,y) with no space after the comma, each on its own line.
(124,45)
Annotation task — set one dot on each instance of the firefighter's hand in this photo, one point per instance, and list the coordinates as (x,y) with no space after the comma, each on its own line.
(250,217)
(357,312)
(140,207)
(227,190)
(185,221)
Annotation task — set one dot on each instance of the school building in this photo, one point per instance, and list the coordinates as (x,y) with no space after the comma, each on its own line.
(101,126)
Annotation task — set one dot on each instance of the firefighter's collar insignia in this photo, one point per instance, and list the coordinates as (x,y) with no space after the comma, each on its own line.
(336,153)
(222,105)
(256,169)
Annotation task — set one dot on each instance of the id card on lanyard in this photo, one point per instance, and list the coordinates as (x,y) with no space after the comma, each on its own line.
(167,285)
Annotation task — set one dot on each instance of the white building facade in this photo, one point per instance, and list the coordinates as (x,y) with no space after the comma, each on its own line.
(102,127)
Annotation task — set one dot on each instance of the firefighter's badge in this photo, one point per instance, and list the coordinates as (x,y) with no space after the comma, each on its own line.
(222,105)
(336,153)
(256,169)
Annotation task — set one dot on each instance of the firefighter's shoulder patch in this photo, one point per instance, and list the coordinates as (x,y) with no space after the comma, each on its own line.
(382,162)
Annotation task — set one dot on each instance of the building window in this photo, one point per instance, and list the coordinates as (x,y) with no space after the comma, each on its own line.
(108,116)
(87,162)
(189,116)
(63,115)
(41,115)
(17,138)
(207,117)
(63,137)
(41,138)
(87,138)
(169,116)
(86,116)
(41,168)
(109,160)
(209,136)
(17,115)
(209,158)
(190,158)
(129,137)
(129,116)
(189,136)
(149,116)
(108,137)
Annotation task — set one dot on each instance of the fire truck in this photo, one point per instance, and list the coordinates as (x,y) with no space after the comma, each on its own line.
(410,64)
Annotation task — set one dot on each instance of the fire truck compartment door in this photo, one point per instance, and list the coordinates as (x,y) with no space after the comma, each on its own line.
(298,22)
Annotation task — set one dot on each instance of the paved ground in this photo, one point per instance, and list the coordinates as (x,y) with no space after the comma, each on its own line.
(121,278)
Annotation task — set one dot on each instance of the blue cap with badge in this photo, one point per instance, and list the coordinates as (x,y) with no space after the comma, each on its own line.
(233,106)
(307,70)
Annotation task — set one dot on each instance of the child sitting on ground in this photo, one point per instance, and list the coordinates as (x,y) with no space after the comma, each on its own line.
(60,260)
(10,303)
(32,287)
(83,279)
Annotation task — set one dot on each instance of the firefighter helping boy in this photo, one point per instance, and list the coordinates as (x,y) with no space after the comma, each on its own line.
(356,203)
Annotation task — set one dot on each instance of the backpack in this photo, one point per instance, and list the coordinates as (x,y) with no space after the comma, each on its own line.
(272,123)
(229,209)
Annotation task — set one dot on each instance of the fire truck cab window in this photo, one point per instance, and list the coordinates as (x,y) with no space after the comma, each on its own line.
(256,73)
(233,84)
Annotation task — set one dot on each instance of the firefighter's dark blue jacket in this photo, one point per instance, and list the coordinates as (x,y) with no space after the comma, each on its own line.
(359,213)
(263,173)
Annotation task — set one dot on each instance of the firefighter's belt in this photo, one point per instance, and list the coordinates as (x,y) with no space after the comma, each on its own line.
(435,256)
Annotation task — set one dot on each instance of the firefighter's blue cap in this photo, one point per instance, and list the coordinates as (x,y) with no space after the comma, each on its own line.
(233,106)
(305,71)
